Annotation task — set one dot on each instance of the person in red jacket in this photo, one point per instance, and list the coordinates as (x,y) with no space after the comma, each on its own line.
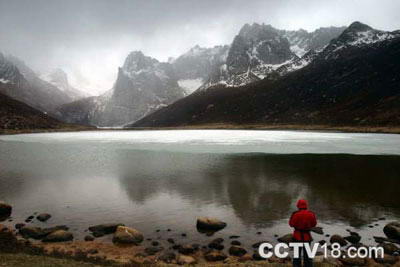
(302,221)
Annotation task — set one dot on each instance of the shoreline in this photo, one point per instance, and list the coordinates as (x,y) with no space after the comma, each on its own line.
(100,253)
(279,127)
(129,247)
(220,126)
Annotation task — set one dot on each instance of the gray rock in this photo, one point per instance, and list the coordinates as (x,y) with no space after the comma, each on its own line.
(5,210)
(390,248)
(286,238)
(215,245)
(354,238)
(32,232)
(43,217)
(19,225)
(186,260)
(167,257)
(237,251)
(59,236)
(338,239)
(392,230)
(257,257)
(153,250)
(215,256)
(105,229)
(212,224)
(387,259)
(49,230)
(186,249)
(127,235)
(317,230)
(89,238)
(236,243)
(256,245)
(8,240)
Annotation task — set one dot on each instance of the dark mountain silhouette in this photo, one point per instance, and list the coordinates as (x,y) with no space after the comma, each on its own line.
(16,115)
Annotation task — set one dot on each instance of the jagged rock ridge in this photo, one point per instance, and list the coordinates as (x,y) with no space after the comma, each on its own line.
(28,87)
(59,78)
(143,85)
(355,85)
(259,50)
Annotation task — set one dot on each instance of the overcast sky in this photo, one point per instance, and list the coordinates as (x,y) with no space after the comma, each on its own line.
(90,38)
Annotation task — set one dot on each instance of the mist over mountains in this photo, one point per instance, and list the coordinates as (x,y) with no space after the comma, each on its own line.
(28,87)
(353,81)
(266,75)
(144,85)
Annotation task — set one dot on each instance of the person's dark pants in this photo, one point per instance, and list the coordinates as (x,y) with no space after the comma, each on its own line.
(308,262)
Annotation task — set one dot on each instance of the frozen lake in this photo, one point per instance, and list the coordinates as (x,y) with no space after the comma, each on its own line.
(166,179)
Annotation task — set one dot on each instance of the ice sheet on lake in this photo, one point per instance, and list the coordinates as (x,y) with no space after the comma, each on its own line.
(228,141)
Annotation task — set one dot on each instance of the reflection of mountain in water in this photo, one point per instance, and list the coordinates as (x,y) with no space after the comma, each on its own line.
(263,188)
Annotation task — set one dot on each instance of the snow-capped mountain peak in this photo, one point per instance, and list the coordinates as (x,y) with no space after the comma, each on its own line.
(137,61)
(9,73)
(359,34)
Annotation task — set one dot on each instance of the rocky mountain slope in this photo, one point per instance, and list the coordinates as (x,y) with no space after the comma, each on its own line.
(259,50)
(59,79)
(28,87)
(354,80)
(302,41)
(15,115)
(194,67)
(143,85)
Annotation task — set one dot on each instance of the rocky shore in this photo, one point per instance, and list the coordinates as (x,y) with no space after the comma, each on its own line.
(130,247)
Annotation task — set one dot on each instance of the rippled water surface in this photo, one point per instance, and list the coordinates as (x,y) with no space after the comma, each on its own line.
(165,179)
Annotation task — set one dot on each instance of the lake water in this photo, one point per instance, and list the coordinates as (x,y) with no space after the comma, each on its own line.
(165,179)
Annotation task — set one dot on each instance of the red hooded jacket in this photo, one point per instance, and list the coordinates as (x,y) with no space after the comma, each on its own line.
(302,221)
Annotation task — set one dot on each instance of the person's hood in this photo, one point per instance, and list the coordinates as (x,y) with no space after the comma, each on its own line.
(302,204)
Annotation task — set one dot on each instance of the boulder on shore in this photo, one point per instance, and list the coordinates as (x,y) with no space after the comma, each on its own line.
(357,261)
(317,230)
(338,239)
(215,256)
(104,229)
(8,241)
(390,248)
(39,233)
(210,224)
(89,238)
(167,257)
(127,235)
(5,210)
(387,260)
(237,251)
(32,232)
(58,236)
(153,250)
(392,230)
(354,238)
(186,260)
(186,249)
(286,238)
(43,217)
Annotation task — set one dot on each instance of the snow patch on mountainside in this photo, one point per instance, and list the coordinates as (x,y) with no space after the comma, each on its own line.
(4,81)
(190,85)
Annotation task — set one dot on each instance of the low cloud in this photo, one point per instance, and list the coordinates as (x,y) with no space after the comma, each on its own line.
(90,39)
